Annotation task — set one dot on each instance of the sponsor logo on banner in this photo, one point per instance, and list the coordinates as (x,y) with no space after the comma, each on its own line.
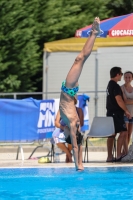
(46,117)
(114,33)
(78,33)
(99,35)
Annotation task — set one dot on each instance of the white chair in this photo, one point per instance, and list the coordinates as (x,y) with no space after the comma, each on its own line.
(101,127)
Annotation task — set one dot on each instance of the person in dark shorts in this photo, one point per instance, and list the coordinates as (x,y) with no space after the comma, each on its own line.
(116,108)
(127,90)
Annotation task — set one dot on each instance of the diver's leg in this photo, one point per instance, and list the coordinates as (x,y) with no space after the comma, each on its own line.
(75,71)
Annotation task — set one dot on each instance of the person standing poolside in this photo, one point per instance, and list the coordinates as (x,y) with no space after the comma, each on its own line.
(127,90)
(116,108)
(69,89)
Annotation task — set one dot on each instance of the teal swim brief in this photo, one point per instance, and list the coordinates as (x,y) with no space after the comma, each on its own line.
(70,91)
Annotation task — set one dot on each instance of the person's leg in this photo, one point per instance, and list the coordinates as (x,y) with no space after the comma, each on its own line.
(69,147)
(68,159)
(80,157)
(123,152)
(110,143)
(63,147)
(130,129)
(122,141)
(75,71)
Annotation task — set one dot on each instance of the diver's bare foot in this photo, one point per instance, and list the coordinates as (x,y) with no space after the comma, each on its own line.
(96,26)
(80,168)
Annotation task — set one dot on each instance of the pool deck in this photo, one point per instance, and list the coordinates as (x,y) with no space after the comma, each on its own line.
(8,160)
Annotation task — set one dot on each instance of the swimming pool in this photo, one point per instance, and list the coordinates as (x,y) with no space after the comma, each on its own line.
(66,184)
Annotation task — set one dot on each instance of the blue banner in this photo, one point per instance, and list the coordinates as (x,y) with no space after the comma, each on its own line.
(30,119)
(46,119)
(83,103)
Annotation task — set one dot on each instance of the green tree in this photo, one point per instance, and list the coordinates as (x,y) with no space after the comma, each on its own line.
(27,24)
(120,7)
(63,17)
(19,51)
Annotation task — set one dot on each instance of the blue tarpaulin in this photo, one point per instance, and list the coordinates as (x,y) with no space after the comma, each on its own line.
(31,119)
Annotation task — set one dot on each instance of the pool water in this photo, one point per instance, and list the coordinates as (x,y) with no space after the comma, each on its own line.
(67,184)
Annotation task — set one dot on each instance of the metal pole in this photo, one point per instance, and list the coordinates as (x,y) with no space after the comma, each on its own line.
(43,78)
(96,84)
(15,96)
(45,74)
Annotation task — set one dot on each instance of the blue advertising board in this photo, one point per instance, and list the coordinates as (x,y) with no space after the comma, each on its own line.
(31,119)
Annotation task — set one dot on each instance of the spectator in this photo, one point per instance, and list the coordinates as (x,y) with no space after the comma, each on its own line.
(127,90)
(116,108)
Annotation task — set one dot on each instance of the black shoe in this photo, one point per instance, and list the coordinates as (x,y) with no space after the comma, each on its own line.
(118,159)
(111,161)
